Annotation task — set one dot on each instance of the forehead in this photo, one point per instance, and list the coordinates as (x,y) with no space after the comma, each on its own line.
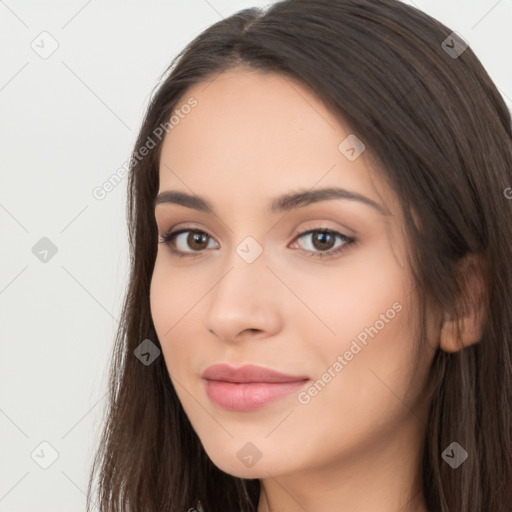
(253,131)
(255,113)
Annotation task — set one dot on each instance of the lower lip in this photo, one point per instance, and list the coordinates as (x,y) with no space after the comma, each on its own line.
(249,396)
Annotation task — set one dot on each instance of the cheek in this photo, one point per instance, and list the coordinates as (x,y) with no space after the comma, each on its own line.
(165,304)
(365,384)
(161,297)
(173,301)
(171,294)
(352,296)
(369,307)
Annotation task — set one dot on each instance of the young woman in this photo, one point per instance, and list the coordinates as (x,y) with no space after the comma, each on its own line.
(319,308)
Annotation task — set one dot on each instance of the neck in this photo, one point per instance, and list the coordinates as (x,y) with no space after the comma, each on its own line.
(386,477)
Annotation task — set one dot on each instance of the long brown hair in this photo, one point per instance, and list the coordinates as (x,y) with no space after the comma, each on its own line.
(441,132)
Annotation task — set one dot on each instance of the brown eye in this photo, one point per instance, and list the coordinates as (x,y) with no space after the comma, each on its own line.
(196,240)
(187,241)
(322,242)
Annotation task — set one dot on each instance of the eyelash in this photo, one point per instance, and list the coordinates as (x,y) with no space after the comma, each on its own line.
(349,241)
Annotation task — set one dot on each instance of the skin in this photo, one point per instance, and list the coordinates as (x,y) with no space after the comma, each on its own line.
(356,445)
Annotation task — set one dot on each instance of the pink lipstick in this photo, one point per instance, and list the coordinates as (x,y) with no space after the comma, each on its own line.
(248,387)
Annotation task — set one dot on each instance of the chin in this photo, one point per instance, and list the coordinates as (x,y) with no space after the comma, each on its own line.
(237,463)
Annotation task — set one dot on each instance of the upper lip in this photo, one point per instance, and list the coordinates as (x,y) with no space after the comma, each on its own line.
(247,373)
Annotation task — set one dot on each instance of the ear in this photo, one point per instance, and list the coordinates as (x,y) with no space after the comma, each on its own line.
(466,328)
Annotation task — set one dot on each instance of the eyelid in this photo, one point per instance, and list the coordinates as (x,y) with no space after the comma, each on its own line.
(321,225)
(311,226)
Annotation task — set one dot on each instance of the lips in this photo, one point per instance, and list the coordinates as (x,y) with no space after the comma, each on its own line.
(248,387)
(248,373)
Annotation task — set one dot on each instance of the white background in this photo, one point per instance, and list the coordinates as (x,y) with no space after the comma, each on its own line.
(67,123)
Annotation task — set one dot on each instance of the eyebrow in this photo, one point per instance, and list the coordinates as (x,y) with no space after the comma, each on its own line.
(282,203)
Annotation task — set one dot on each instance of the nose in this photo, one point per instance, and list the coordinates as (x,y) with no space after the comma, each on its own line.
(245,302)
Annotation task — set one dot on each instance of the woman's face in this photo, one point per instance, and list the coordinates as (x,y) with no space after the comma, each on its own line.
(279,283)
